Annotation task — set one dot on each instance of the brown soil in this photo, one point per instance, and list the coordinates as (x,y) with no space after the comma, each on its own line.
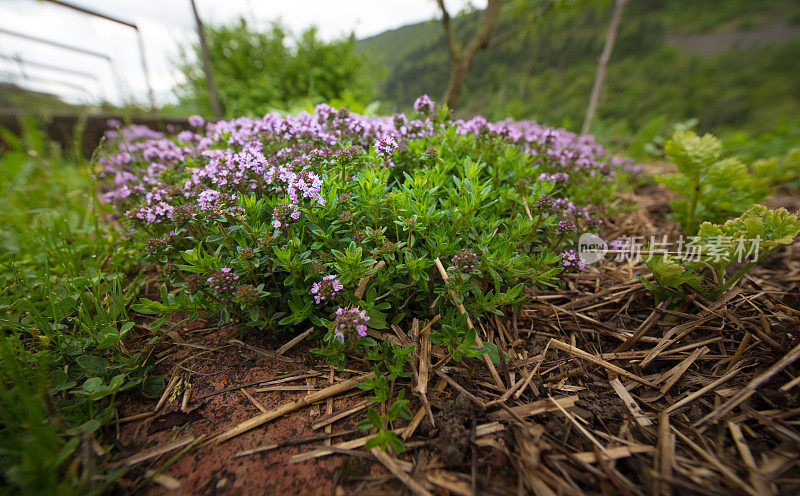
(211,361)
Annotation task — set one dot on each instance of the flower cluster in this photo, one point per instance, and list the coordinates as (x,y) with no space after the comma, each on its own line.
(567,227)
(386,146)
(316,269)
(194,283)
(182,214)
(465,260)
(571,260)
(424,105)
(155,247)
(557,177)
(223,282)
(326,289)
(196,120)
(267,242)
(282,213)
(229,158)
(545,203)
(349,321)
(170,271)
(246,295)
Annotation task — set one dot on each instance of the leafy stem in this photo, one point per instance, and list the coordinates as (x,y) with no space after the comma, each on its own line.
(741,272)
(691,207)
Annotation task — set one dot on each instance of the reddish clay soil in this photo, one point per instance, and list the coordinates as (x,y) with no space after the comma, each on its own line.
(211,470)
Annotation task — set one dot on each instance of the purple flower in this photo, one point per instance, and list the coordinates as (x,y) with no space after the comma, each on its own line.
(269,240)
(223,282)
(196,120)
(554,178)
(399,121)
(194,283)
(170,271)
(246,295)
(347,155)
(465,260)
(282,213)
(545,203)
(386,146)
(424,105)
(326,289)
(567,227)
(157,246)
(571,260)
(348,321)
(183,213)
(316,268)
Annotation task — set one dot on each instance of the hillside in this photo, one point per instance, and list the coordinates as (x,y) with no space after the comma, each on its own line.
(729,63)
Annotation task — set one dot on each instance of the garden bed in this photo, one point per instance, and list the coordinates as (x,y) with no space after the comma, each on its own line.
(604,392)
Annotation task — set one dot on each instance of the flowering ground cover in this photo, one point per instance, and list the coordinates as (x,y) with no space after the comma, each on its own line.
(272,222)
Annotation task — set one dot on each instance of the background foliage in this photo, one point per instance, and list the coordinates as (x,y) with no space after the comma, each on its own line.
(257,71)
(659,65)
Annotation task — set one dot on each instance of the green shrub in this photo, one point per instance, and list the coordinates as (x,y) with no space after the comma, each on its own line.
(273,223)
(258,71)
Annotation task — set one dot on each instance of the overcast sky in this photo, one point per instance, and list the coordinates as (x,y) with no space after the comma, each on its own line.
(165,25)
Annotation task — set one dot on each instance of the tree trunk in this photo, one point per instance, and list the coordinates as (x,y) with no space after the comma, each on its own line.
(611,36)
(462,62)
(457,76)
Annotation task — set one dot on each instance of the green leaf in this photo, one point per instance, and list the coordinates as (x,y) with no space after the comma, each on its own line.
(666,267)
(691,153)
(374,418)
(395,442)
(677,182)
(107,337)
(90,426)
(377,319)
(92,384)
(93,364)
(374,442)
(153,386)
(66,451)
(491,350)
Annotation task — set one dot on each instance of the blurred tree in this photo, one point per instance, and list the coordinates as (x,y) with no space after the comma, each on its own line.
(257,72)
(545,72)
(525,13)
(611,36)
